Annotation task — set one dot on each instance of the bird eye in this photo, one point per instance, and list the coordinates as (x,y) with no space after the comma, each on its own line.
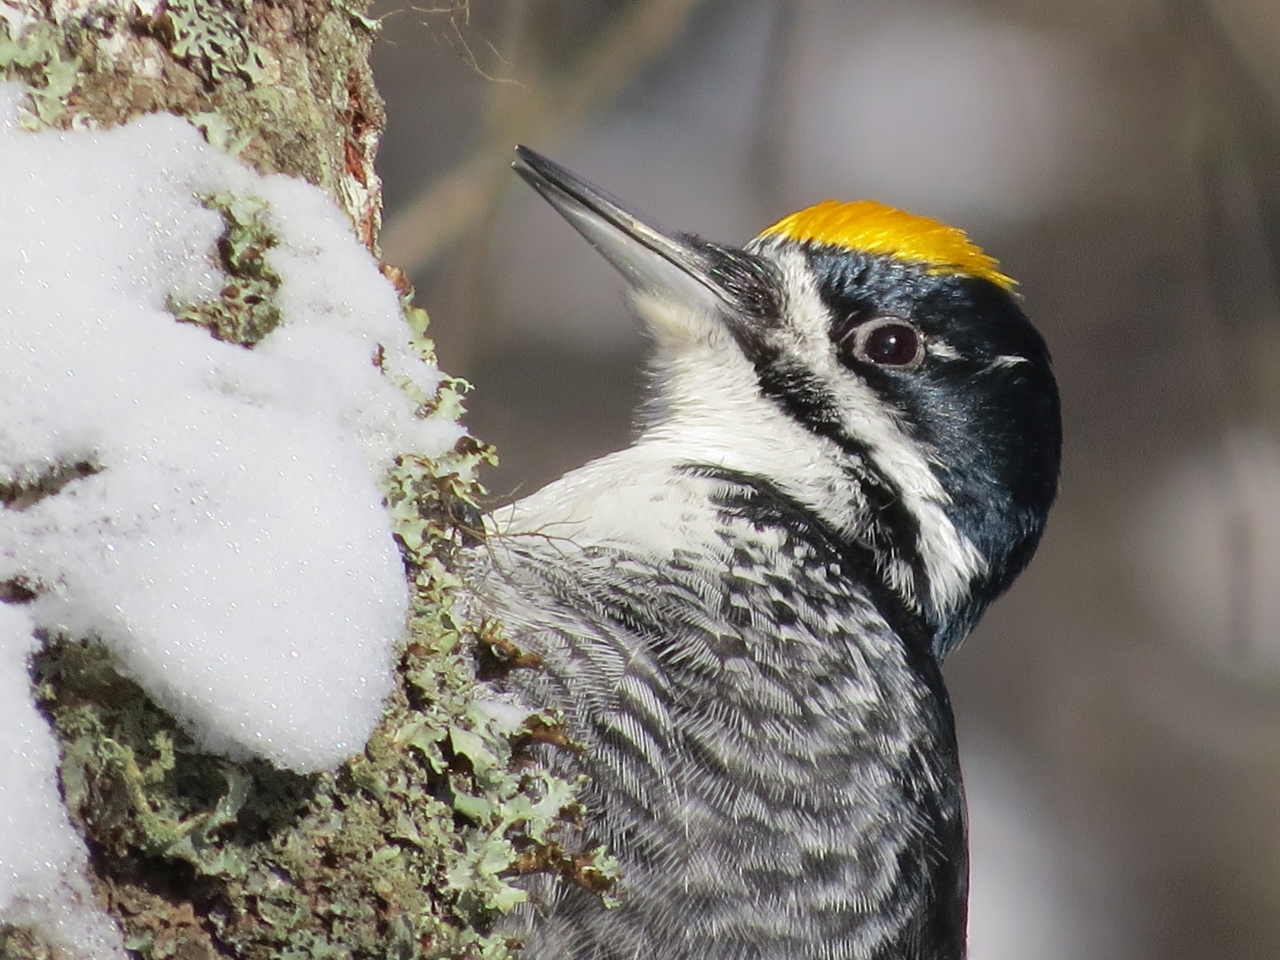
(888,341)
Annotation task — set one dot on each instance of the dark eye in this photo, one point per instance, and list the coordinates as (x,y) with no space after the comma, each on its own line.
(888,341)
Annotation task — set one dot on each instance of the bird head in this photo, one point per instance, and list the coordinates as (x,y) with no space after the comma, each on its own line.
(872,364)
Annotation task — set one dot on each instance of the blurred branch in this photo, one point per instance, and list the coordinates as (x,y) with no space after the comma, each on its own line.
(1238,155)
(531,110)
(1237,147)
(765,159)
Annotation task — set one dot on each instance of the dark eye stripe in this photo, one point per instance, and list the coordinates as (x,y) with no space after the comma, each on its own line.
(804,398)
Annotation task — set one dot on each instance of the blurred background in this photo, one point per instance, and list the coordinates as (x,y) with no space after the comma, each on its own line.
(1120,709)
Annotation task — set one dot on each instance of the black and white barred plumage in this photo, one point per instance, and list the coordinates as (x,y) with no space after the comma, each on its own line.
(742,615)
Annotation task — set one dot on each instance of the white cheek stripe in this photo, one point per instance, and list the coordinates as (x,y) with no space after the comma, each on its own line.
(1007,360)
(950,559)
(942,349)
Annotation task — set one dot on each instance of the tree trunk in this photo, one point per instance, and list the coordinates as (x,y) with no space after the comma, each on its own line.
(406,849)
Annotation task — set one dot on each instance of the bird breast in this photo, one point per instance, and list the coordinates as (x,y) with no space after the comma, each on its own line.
(759,725)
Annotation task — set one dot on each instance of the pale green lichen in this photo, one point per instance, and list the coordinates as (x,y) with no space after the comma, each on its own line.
(23,943)
(369,24)
(245,309)
(219,133)
(38,57)
(286,87)
(210,37)
(447,402)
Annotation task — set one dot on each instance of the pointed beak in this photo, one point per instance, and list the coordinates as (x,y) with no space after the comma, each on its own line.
(673,268)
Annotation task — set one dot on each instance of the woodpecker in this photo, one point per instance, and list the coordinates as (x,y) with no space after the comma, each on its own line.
(851,449)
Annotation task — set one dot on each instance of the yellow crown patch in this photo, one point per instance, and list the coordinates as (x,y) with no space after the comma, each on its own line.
(877,229)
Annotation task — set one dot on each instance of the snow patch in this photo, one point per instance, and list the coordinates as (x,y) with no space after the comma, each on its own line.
(41,856)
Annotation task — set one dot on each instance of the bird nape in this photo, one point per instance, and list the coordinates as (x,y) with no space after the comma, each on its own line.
(852,449)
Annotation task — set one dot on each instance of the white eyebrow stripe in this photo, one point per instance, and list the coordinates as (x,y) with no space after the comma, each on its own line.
(1007,360)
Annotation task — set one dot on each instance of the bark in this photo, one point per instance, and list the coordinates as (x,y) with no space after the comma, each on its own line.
(285,85)
(407,850)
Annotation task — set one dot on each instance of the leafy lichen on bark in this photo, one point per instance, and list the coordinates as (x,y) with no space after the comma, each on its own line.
(245,309)
(407,850)
(285,84)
